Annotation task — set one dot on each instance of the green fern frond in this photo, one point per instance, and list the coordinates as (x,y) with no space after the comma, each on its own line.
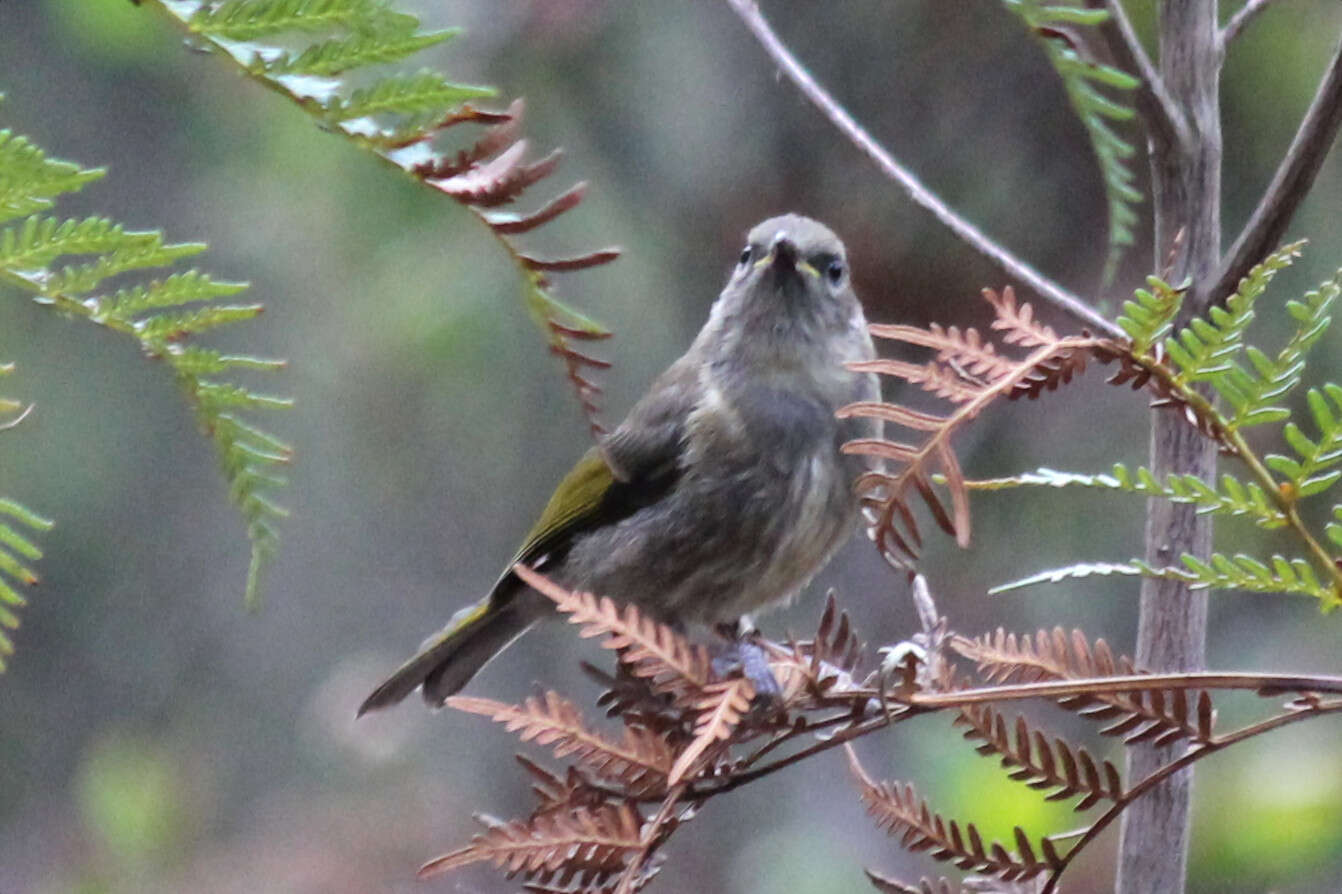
(1233,498)
(249,19)
(1221,572)
(1082,79)
(161,315)
(1207,349)
(319,53)
(1149,317)
(1274,378)
(420,94)
(15,550)
(30,182)
(338,56)
(1315,471)
(37,241)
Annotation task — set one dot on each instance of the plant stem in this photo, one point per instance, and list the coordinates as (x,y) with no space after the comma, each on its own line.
(1172,625)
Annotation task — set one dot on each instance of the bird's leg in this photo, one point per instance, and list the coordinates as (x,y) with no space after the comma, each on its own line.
(742,652)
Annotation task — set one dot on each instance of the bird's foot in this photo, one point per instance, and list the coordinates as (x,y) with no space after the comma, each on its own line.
(741,653)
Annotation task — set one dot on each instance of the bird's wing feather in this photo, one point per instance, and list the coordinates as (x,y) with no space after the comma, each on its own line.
(632,468)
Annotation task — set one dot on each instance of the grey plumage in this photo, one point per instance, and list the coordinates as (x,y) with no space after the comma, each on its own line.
(724,489)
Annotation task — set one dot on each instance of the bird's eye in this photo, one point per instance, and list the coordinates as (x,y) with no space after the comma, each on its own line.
(746,254)
(834,272)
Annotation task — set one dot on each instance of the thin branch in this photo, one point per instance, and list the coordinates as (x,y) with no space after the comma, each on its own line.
(1242,17)
(1292,182)
(1190,756)
(1163,117)
(1070,304)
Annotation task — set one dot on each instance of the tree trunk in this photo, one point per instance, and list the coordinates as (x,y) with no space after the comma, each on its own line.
(1171,635)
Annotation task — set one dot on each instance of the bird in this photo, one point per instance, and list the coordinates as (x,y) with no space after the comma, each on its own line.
(723,491)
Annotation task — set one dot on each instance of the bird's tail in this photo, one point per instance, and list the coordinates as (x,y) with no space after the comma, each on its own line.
(448,659)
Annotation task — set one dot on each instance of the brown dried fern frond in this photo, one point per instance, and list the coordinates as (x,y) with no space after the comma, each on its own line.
(720,709)
(1039,763)
(1160,715)
(592,845)
(640,762)
(971,372)
(822,665)
(555,792)
(898,810)
(1016,322)
(494,172)
(649,649)
(1152,373)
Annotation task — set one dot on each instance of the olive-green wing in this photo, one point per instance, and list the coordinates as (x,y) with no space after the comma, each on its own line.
(635,466)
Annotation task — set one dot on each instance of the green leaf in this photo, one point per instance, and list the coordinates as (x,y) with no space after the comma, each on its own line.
(12,570)
(28,250)
(29,181)
(416,94)
(1080,77)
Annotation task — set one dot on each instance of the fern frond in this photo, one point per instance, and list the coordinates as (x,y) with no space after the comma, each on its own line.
(30,182)
(648,649)
(241,20)
(972,373)
(720,709)
(30,252)
(1219,572)
(1252,392)
(425,93)
(1232,498)
(336,56)
(640,763)
(898,810)
(592,844)
(1149,316)
(1164,715)
(1316,469)
(328,57)
(1207,349)
(16,550)
(1039,763)
(1083,80)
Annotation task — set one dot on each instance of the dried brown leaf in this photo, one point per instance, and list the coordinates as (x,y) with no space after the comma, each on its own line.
(649,649)
(589,843)
(640,761)
(719,711)
(1159,714)
(899,811)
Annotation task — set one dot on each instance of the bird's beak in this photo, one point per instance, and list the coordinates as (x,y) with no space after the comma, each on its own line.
(786,261)
(783,254)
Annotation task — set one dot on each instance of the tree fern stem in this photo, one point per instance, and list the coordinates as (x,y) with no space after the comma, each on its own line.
(1172,628)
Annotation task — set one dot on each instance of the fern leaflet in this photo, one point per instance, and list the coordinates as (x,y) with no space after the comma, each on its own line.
(317,52)
(1082,78)
(1232,498)
(161,315)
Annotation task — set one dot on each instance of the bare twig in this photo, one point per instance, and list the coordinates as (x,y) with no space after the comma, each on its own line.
(1292,182)
(1193,754)
(1164,119)
(971,235)
(1242,17)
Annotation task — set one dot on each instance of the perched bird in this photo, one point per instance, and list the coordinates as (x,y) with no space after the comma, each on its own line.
(723,491)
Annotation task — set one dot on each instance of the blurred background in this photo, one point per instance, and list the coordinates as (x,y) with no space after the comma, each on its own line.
(154,737)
